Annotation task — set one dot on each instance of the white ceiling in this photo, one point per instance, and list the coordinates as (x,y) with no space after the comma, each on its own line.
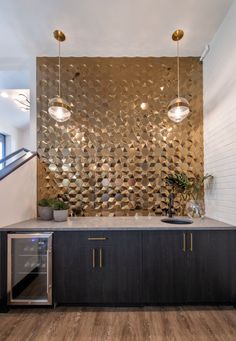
(10,110)
(107,27)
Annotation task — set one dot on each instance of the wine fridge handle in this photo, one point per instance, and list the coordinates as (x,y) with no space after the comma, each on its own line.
(48,271)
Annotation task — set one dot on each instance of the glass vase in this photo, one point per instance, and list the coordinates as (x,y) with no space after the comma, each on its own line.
(195,209)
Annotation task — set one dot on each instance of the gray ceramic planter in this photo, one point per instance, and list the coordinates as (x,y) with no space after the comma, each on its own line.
(45,213)
(60,215)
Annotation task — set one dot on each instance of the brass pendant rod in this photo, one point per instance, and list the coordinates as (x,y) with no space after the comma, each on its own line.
(177,36)
(59,59)
(178,66)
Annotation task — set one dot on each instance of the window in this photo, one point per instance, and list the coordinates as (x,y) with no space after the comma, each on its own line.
(2,146)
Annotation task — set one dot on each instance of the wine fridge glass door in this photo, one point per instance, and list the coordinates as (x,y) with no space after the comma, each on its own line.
(29,268)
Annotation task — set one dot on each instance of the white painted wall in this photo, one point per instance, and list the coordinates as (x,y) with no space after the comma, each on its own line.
(14,123)
(219,74)
(18,195)
(18,73)
(12,136)
(16,137)
(12,77)
(24,137)
(18,191)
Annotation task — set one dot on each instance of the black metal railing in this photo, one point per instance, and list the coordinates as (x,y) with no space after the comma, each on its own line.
(14,160)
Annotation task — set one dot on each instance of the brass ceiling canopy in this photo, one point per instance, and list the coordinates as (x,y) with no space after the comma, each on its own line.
(59,35)
(177,35)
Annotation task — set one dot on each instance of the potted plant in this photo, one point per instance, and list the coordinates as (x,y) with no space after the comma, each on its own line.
(190,191)
(45,210)
(60,210)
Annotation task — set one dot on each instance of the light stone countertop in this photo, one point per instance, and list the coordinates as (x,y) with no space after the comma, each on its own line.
(115,223)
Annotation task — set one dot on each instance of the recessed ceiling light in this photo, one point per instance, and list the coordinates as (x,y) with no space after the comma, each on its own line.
(162,88)
(4,94)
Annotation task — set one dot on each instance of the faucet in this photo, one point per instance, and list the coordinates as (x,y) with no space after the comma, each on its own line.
(171,205)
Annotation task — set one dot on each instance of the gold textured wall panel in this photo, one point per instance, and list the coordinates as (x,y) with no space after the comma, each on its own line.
(112,157)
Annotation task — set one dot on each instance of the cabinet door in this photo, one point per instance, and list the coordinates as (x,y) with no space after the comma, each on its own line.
(164,267)
(76,281)
(89,270)
(121,271)
(211,266)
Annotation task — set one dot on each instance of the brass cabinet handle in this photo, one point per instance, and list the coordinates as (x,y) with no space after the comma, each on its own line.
(191,242)
(97,238)
(184,242)
(100,258)
(94,258)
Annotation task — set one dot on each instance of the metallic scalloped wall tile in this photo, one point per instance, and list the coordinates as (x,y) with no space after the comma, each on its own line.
(114,154)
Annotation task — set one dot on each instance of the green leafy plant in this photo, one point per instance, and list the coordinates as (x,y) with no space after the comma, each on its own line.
(198,184)
(59,205)
(46,202)
(179,181)
(188,187)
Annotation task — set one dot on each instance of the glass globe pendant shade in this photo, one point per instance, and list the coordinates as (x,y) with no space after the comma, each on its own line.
(178,109)
(59,109)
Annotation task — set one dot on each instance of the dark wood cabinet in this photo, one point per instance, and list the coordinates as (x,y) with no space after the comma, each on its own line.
(164,267)
(189,266)
(211,266)
(97,268)
(139,267)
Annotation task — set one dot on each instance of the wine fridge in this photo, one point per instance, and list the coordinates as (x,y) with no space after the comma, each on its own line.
(29,275)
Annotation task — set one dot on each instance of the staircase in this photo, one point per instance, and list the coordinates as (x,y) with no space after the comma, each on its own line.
(14,160)
(18,187)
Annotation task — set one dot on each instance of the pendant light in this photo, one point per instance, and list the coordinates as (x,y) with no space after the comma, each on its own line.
(178,109)
(58,108)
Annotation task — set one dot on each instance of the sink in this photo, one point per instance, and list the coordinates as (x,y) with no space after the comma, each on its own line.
(176,221)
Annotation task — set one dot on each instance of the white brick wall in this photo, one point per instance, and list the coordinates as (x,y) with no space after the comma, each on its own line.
(219,79)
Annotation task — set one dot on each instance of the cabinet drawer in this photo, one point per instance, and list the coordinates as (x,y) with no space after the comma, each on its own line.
(94,238)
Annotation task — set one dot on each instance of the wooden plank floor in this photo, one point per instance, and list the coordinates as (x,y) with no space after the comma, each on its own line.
(113,324)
